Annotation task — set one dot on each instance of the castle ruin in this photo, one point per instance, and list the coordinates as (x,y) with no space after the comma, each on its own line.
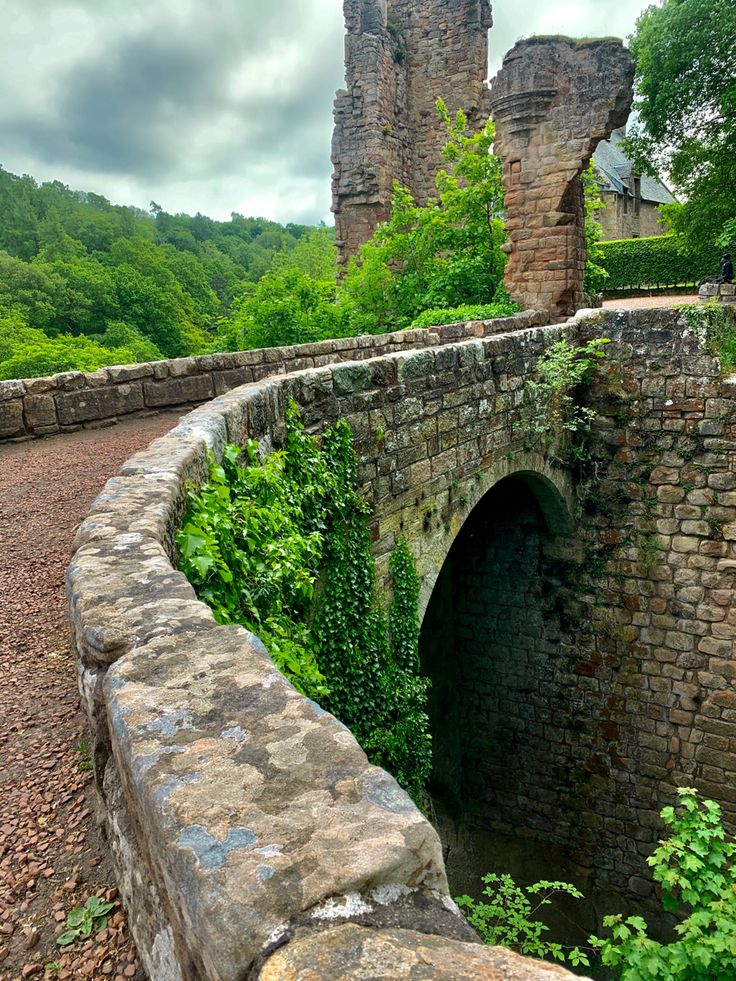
(401,56)
(553,102)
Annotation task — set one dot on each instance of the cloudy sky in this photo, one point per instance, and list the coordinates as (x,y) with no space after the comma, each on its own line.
(204,105)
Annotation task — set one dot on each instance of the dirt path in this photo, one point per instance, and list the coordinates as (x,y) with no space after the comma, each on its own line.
(640,302)
(51,856)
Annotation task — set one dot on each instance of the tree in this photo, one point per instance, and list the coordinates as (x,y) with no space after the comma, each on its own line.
(685,52)
(286,307)
(442,255)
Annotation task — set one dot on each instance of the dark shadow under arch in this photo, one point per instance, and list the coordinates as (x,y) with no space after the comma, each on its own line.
(506,712)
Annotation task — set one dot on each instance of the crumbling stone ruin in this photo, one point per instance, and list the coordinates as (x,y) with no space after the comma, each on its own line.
(400,57)
(553,101)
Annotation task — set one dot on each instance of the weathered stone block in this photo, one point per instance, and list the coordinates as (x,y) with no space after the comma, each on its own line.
(175,391)
(39,410)
(11,418)
(352,951)
(86,404)
(11,390)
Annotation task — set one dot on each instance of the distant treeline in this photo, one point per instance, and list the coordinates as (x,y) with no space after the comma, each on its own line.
(84,282)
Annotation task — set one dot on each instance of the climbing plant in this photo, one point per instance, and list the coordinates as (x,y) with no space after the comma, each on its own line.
(714,326)
(282,546)
(552,417)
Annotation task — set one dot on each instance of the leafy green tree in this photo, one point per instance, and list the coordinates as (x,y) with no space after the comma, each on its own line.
(442,255)
(33,289)
(696,869)
(26,352)
(314,255)
(685,53)
(286,307)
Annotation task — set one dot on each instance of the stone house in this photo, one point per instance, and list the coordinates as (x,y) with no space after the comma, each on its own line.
(632,201)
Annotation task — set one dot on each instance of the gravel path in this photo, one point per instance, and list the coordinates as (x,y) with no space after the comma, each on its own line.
(51,855)
(640,302)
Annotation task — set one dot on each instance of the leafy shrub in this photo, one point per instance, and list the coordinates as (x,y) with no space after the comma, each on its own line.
(282,546)
(458,315)
(508,919)
(663,260)
(714,324)
(696,869)
(552,418)
(285,307)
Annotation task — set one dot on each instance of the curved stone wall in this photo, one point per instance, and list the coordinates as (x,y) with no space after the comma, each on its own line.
(246,824)
(75,400)
(243,819)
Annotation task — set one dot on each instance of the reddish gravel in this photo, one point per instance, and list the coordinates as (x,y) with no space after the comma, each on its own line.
(640,302)
(51,855)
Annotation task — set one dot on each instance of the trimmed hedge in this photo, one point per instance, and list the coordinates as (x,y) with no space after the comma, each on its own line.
(663,260)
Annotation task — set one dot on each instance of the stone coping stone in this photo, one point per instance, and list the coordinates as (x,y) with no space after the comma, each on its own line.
(257,804)
(723,292)
(350,951)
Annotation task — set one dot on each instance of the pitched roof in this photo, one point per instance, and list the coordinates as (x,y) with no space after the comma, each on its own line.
(618,173)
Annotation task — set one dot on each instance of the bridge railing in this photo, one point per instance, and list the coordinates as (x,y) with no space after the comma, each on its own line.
(74,399)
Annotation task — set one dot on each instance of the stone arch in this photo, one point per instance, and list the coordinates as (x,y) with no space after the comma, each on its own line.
(496,643)
(553,489)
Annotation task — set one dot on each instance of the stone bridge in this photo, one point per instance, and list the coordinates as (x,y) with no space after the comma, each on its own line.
(577,626)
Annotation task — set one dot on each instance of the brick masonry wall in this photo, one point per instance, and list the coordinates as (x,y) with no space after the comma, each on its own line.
(575,692)
(74,399)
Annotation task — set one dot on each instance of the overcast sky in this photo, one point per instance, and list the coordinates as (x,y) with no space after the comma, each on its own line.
(204,105)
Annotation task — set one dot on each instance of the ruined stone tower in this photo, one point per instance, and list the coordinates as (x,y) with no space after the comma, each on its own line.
(401,56)
(553,102)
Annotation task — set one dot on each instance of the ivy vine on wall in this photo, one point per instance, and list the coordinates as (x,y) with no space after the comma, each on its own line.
(282,546)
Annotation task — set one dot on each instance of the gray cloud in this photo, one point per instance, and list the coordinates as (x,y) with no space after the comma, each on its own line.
(210,105)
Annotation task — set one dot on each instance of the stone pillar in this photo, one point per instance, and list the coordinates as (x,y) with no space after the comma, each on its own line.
(553,102)
(400,57)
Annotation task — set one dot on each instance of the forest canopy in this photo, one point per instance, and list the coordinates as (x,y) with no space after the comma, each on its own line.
(84,282)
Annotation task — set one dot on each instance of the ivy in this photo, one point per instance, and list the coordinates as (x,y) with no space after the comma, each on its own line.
(282,546)
(714,326)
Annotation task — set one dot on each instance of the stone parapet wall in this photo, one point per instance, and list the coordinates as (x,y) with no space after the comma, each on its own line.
(74,399)
(718,292)
(251,837)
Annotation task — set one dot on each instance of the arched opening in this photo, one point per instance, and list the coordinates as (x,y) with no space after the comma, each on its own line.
(508,714)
